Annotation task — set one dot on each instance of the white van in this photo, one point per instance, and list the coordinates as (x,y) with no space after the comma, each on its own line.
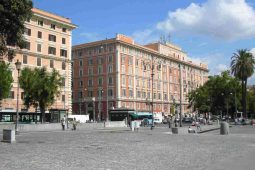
(79,118)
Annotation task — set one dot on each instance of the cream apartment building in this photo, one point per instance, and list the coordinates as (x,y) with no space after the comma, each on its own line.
(48,44)
(118,73)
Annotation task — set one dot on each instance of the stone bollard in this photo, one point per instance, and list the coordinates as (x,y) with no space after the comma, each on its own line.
(133,125)
(175,130)
(8,135)
(224,128)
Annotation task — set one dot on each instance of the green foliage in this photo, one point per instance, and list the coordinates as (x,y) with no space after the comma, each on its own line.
(13,14)
(40,87)
(242,67)
(216,95)
(5,80)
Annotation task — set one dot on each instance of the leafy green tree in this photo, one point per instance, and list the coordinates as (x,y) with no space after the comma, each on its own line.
(242,67)
(251,102)
(13,14)
(5,80)
(40,88)
(217,95)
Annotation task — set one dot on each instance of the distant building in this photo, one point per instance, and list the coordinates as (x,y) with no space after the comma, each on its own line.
(118,71)
(48,43)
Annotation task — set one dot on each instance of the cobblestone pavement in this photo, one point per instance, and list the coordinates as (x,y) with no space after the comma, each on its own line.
(117,149)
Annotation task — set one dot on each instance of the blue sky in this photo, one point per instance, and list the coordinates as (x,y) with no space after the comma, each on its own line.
(208,30)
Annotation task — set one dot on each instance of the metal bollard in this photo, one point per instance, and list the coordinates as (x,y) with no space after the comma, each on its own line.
(224,128)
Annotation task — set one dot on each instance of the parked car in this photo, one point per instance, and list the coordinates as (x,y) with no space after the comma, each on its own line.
(187,120)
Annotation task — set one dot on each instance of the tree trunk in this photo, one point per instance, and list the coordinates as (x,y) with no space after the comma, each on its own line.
(243,96)
(245,93)
(42,115)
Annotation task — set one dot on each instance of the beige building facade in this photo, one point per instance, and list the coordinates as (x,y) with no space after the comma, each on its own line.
(48,44)
(119,73)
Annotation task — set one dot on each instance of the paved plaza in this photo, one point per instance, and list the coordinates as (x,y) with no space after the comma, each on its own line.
(119,148)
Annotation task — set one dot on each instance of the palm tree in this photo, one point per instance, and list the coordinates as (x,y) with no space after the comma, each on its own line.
(242,67)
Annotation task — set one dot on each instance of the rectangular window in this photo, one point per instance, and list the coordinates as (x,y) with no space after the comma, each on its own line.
(110,92)
(100,81)
(137,62)
(90,93)
(131,93)
(100,61)
(109,68)
(123,69)
(80,73)
(81,83)
(11,95)
(24,59)
(52,50)
(39,34)
(138,94)
(63,53)
(63,82)
(52,26)
(27,45)
(22,95)
(124,92)
(63,98)
(100,69)
(81,63)
(39,47)
(90,71)
(63,41)
(40,22)
(63,29)
(51,64)
(123,59)
(52,38)
(110,58)
(110,81)
(63,65)
(27,31)
(90,61)
(130,60)
(123,80)
(90,83)
(39,61)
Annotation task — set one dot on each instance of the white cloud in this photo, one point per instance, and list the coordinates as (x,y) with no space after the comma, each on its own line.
(221,19)
(222,67)
(145,36)
(253,51)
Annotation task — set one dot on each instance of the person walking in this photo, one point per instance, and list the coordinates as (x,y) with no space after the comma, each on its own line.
(63,122)
(74,124)
(198,126)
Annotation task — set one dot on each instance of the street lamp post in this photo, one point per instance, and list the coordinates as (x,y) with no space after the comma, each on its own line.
(151,65)
(107,81)
(18,67)
(174,104)
(227,95)
(100,103)
(93,103)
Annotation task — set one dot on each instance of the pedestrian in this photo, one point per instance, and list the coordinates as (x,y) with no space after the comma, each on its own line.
(198,126)
(63,122)
(74,124)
